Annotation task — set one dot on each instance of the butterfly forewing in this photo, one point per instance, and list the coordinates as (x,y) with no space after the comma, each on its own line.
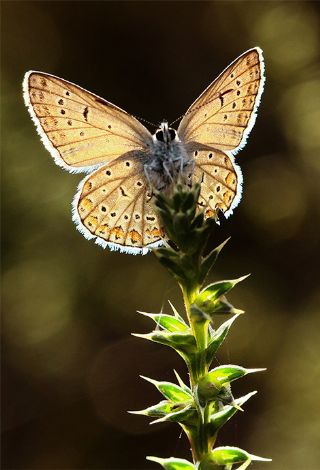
(80,129)
(224,113)
(114,205)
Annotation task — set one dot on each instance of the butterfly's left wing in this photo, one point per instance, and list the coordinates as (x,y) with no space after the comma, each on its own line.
(80,129)
(225,112)
(113,205)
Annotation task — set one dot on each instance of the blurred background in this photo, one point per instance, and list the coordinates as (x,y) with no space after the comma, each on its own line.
(70,366)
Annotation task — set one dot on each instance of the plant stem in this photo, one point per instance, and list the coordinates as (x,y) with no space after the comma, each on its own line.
(197,367)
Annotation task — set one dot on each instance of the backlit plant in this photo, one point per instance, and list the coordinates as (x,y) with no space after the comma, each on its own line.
(206,403)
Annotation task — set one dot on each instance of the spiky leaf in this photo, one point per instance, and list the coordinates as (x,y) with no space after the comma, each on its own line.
(167,322)
(209,261)
(219,418)
(170,390)
(181,415)
(181,342)
(226,456)
(173,463)
(217,337)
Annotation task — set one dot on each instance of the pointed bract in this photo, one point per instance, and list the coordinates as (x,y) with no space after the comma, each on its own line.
(167,322)
(170,390)
(209,261)
(173,463)
(228,455)
(217,338)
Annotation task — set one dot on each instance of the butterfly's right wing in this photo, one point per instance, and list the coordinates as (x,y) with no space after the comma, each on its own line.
(114,206)
(80,130)
(216,126)
(224,114)
(221,182)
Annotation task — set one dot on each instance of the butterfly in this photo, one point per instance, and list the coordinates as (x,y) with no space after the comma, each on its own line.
(126,163)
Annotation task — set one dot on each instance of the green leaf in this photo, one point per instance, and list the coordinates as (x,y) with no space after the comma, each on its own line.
(215,384)
(222,306)
(170,390)
(218,307)
(197,315)
(225,374)
(172,265)
(175,311)
(167,322)
(217,338)
(228,455)
(168,252)
(161,409)
(218,419)
(217,289)
(173,463)
(181,342)
(210,260)
(180,416)
(181,383)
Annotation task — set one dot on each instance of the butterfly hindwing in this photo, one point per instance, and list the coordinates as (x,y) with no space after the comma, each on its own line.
(80,129)
(221,181)
(114,205)
(224,113)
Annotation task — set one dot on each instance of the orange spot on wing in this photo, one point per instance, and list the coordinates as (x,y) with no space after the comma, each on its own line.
(102,231)
(117,232)
(221,206)
(227,197)
(135,236)
(155,232)
(87,186)
(210,213)
(91,222)
(85,205)
(230,179)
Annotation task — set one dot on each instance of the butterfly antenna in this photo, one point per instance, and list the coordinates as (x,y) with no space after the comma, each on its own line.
(178,119)
(196,108)
(145,120)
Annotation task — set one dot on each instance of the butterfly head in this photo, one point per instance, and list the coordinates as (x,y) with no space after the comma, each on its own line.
(165,133)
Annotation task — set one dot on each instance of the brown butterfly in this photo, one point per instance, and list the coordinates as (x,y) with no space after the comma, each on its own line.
(125,162)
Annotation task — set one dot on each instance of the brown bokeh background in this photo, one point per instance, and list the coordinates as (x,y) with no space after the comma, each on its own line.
(70,367)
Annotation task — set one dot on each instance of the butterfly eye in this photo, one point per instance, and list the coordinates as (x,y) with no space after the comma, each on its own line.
(172,134)
(159,136)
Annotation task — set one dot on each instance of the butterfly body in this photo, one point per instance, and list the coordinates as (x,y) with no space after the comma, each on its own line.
(125,162)
(169,160)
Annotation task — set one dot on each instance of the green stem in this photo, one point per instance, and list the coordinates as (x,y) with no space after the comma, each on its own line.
(198,367)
